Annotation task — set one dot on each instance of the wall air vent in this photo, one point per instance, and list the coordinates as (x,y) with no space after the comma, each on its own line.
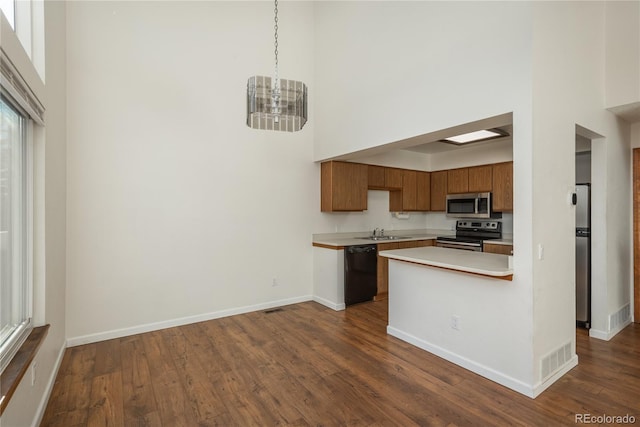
(619,318)
(555,360)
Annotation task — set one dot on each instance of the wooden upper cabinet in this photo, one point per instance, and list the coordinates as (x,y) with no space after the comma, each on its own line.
(409,190)
(439,190)
(503,187)
(376,177)
(458,180)
(393,178)
(423,191)
(384,178)
(480,179)
(343,186)
(415,193)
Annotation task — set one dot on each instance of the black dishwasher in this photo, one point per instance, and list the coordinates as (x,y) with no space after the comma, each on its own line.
(360,273)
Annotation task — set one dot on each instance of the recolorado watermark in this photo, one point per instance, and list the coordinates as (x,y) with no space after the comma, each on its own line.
(604,419)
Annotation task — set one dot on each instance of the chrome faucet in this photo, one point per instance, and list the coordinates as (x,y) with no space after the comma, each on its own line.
(377,232)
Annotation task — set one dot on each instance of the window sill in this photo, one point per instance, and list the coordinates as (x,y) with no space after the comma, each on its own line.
(13,373)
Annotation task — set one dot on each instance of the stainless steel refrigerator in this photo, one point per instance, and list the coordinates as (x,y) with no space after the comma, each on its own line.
(583,255)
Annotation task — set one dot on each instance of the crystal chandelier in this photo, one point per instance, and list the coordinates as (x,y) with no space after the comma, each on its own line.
(276,104)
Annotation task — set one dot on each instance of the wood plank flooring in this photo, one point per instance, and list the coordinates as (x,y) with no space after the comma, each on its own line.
(308,365)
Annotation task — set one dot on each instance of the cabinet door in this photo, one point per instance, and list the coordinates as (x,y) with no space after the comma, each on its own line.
(423,191)
(409,190)
(408,244)
(438,190)
(503,187)
(393,178)
(376,177)
(458,180)
(383,270)
(480,179)
(343,186)
(492,248)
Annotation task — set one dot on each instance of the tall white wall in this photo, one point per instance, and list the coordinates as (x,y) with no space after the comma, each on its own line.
(387,71)
(176,208)
(622,66)
(28,403)
(568,91)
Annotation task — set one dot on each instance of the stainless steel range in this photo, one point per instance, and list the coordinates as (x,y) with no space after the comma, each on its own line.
(470,234)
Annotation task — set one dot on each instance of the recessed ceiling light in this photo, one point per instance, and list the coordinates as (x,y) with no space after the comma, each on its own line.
(479,135)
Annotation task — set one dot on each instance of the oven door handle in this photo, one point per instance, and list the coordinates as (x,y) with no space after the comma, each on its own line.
(473,248)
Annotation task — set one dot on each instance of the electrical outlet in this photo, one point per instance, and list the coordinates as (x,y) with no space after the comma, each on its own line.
(274,283)
(455,322)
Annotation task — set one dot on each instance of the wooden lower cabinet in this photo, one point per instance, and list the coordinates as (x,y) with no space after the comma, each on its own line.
(383,263)
(494,248)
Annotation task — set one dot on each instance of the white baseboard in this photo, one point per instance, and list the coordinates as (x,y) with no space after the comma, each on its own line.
(569,365)
(49,388)
(489,373)
(606,336)
(330,304)
(149,327)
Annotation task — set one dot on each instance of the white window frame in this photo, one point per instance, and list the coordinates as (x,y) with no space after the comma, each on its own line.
(9,11)
(22,82)
(9,348)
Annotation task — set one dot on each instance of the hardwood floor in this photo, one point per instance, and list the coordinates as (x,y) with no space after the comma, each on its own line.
(308,365)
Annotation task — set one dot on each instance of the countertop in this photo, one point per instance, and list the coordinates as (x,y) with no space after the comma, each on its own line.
(482,263)
(340,240)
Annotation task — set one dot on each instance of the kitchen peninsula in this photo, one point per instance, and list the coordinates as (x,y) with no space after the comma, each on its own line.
(479,263)
(413,246)
(328,259)
(451,303)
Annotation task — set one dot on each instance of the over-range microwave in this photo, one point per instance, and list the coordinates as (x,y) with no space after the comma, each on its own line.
(470,205)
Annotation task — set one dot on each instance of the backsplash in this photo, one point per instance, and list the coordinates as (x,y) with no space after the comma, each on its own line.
(378,216)
(439,221)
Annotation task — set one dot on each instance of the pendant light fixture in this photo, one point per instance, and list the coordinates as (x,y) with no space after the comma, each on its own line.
(276,104)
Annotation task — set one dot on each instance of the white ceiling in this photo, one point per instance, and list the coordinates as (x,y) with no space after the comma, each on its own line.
(430,143)
(629,112)
(431,147)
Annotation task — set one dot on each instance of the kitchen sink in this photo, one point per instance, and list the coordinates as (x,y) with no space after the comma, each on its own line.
(377,238)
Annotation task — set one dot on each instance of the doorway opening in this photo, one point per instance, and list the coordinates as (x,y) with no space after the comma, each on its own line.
(636,235)
(582,202)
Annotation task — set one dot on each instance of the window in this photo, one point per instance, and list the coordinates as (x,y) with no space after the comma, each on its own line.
(8,8)
(15,230)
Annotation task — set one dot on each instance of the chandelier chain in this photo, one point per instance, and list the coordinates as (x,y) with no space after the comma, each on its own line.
(275,27)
